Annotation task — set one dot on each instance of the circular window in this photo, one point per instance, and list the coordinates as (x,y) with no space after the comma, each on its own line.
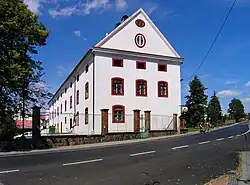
(140,23)
(140,40)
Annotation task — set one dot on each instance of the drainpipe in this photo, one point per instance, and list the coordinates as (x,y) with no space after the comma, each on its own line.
(93,90)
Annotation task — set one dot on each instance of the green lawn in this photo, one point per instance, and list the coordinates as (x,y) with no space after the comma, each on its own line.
(193,129)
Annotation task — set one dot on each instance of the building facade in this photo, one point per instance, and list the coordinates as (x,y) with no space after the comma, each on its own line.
(133,68)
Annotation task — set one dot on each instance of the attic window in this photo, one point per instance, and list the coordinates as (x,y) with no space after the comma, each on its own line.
(162,67)
(140,65)
(117,62)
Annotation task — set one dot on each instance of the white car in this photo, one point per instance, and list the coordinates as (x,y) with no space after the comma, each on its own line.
(27,135)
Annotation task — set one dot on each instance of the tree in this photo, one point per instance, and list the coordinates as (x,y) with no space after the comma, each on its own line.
(196,103)
(236,109)
(20,74)
(214,109)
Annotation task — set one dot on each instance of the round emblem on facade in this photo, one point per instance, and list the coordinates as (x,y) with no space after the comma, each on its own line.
(140,23)
(140,40)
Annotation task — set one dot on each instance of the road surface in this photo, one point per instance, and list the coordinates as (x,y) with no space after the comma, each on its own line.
(185,160)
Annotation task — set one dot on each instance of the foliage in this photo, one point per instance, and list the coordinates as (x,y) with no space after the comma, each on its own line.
(196,103)
(236,109)
(214,110)
(20,74)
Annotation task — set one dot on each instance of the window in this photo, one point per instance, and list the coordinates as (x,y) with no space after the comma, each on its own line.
(70,123)
(70,102)
(65,120)
(141,87)
(118,114)
(162,89)
(77,77)
(61,94)
(86,90)
(57,111)
(162,67)
(52,114)
(61,108)
(87,68)
(65,90)
(86,115)
(116,62)
(70,84)
(77,97)
(140,65)
(117,86)
(65,108)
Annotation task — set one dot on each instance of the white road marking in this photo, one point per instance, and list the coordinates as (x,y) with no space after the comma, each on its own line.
(205,142)
(230,137)
(179,147)
(9,171)
(82,162)
(220,139)
(142,153)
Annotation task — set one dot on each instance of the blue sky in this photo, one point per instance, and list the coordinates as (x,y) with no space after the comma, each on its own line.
(189,25)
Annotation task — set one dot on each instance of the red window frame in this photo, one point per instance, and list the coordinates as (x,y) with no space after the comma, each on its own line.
(112,81)
(77,97)
(137,87)
(86,90)
(140,62)
(163,65)
(70,102)
(113,62)
(159,89)
(113,114)
(86,116)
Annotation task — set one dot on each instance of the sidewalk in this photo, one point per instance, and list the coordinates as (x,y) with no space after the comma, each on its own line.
(245,166)
(98,145)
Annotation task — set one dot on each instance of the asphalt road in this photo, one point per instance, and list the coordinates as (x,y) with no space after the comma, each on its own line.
(185,160)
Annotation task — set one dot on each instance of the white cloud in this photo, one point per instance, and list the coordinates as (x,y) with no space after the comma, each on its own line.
(33,5)
(246,99)
(61,70)
(121,5)
(228,93)
(81,8)
(248,84)
(229,82)
(151,9)
(77,33)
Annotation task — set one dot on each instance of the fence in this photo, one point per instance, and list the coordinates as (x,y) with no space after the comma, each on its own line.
(162,122)
(89,124)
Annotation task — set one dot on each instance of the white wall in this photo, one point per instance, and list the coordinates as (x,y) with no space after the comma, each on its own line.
(162,109)
(80,85)
(124,39)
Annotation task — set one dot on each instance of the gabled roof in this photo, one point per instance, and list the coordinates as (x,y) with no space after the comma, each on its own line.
(128,21)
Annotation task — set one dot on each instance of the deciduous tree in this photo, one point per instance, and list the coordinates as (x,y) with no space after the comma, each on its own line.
(236,109)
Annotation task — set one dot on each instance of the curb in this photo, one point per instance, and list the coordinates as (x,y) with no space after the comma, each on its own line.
(99,145)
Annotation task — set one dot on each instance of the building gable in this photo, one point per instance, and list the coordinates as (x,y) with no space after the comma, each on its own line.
(138,34)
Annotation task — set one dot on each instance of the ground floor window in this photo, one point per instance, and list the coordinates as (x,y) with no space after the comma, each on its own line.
(86,115)
(118,114)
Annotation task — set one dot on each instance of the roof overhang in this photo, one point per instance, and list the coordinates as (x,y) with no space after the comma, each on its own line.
(86,56)
(137,55)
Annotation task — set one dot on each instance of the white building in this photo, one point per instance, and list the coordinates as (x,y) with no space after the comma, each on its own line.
(133,67)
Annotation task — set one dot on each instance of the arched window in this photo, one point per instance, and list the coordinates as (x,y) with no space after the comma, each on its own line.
(86,90)
(162,89)
(118,114)
(141,87)
(117,86)
(86,115)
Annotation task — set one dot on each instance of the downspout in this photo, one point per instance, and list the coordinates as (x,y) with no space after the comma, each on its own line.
(93,90)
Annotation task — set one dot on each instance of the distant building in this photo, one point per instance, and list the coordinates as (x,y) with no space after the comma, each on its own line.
(132,68)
